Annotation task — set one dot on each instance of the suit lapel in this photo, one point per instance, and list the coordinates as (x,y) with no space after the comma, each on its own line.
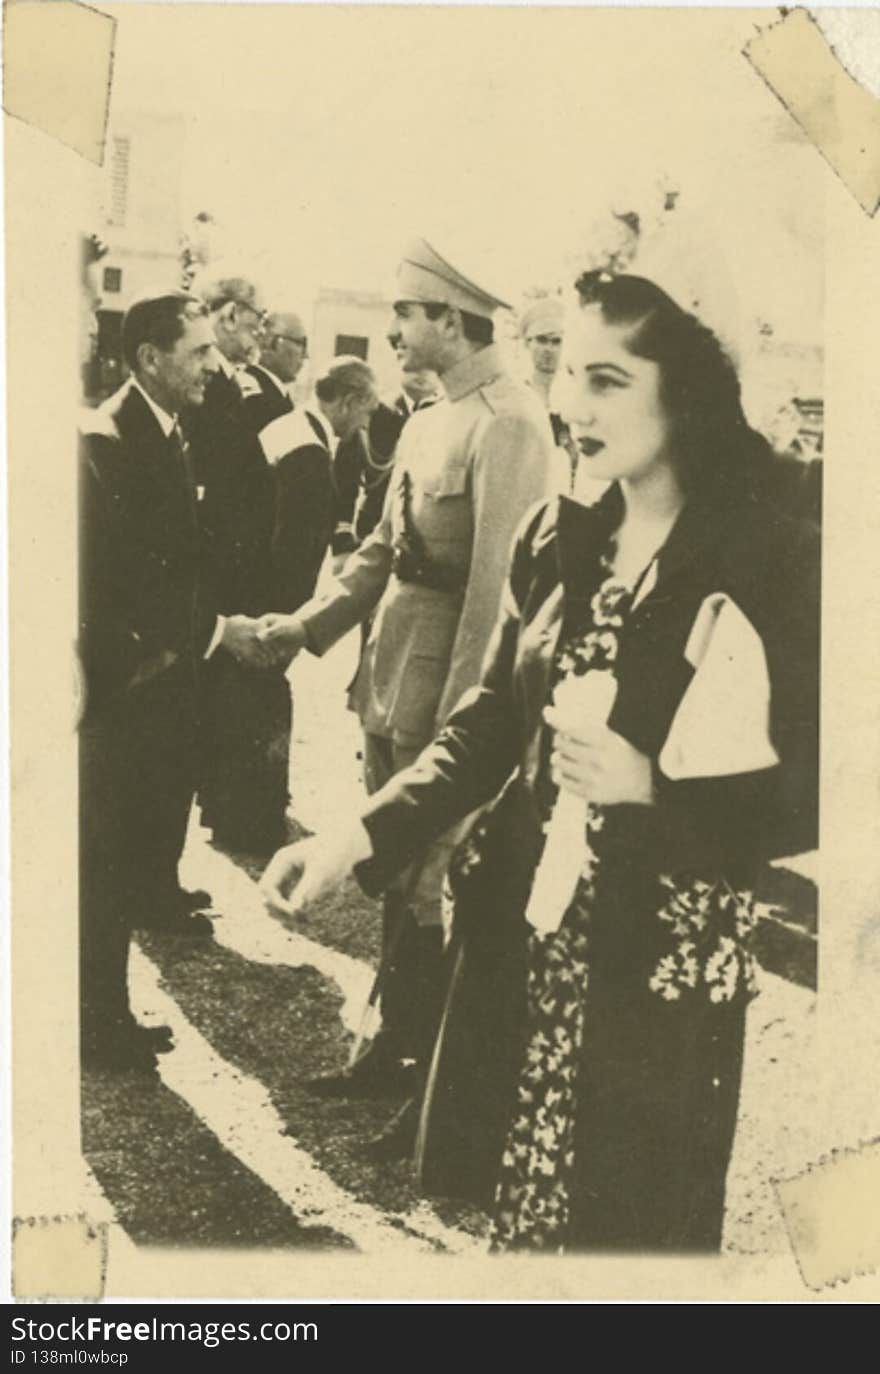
(222,398)
(318,427)
(152,451)
(276,400)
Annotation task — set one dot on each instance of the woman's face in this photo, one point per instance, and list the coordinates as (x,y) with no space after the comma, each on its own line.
(610,400)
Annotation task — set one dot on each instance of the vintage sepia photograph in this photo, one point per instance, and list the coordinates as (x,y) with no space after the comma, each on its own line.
(435,653)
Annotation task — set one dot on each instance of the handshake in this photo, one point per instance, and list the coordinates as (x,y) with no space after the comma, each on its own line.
(267,641)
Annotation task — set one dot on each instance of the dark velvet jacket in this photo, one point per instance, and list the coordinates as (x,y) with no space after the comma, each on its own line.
(763,559)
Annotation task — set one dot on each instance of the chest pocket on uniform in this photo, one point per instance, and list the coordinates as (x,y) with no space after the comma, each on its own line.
(443,513)
(451,480)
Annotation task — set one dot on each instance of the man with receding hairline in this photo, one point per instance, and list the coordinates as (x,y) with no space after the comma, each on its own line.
(283,351)
(228,463)
(242,784)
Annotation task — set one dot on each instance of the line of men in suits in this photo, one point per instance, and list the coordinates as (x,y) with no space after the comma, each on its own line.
(207,499)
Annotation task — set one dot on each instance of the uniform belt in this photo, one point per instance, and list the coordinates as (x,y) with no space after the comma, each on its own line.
(407,567)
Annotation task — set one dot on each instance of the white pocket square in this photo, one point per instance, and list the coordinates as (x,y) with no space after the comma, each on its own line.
(722,725)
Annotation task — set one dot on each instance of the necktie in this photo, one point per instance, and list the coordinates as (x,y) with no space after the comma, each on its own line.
(184,464)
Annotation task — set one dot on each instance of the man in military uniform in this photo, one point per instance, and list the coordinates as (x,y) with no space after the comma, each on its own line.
(466,471)
(541,327)
(541,330)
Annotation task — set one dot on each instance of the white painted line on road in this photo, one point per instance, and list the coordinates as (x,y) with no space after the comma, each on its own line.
(238,1110)
(247,928)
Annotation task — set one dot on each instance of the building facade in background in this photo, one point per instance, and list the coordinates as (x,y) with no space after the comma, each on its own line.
(145,236)
(356,323)
(139,220)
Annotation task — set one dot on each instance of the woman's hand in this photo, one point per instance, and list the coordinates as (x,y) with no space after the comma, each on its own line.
(301,873)
(599,765)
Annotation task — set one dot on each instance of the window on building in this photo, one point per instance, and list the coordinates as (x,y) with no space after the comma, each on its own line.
(119,166)
(112,279)
(353,344)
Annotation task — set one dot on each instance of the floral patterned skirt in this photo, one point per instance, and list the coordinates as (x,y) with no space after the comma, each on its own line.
(532,1201)
(627,1097)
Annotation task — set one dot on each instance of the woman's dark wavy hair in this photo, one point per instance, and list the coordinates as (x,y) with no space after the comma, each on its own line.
(720,457)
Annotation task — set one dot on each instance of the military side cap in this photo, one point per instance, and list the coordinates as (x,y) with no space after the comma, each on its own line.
(423,275)
(542,316)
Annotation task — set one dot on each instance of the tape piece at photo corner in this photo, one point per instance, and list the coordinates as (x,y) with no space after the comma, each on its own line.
(837,114)
(832,1214)
(59,1258)
(58,61)
(722,725)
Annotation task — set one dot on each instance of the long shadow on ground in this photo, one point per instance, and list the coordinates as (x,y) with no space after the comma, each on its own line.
(169,1179)
(282,1026)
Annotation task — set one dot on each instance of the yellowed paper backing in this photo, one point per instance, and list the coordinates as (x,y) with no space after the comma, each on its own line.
(510,128)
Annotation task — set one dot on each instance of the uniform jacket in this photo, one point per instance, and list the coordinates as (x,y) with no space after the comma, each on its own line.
(297,449)
(467,469)
(236,509)
(140,607)
(767,563)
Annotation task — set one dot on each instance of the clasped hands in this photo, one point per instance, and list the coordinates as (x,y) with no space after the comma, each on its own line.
(599,765)
(267,641)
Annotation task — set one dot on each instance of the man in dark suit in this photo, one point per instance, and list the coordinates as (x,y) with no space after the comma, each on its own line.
(230,472)
(242,787)
(298,448)
(144,630)
(283,350)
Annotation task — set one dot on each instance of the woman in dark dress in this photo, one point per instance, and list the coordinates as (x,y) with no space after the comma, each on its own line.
(647,720)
